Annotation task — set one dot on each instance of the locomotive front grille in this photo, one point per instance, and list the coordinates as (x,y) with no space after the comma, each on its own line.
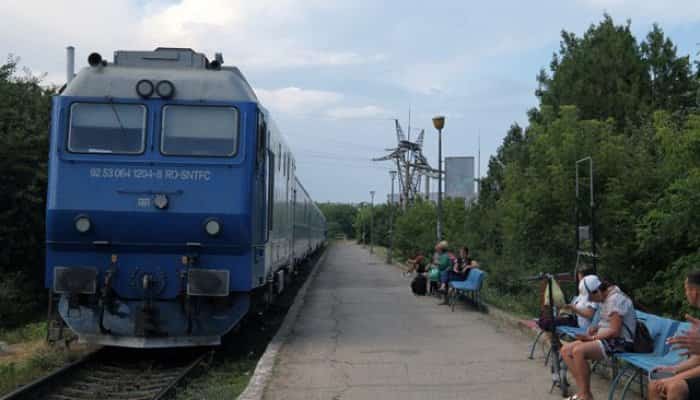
(208,282)
(75,280)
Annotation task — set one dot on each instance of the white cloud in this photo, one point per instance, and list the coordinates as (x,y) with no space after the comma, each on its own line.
(260,34)
(433,77)
(297,101)
(370,111)
(265,34)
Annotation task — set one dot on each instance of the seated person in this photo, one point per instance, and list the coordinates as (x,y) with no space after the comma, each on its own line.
(444,263)
(416,263)
(613,334)
(685,382)
(433,271)
(461,266)
(581,306)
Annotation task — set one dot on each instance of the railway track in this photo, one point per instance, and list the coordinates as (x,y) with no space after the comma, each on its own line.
(117,374)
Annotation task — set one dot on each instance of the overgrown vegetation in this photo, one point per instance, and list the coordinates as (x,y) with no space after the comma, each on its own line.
(25,333)
(24,121)
(40,362)
(633,107)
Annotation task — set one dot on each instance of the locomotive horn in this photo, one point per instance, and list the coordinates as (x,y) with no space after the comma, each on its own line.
(94,59)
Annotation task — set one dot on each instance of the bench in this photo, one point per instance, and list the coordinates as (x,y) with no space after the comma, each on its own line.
(470,286)
(638,365)
(564,332)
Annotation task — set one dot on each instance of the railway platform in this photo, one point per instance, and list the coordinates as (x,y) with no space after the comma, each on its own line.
(362,334)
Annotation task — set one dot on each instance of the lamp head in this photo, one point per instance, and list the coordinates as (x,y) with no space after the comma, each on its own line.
(439,122)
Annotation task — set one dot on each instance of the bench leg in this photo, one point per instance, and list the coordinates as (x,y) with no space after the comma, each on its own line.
(534,345)
(629,383)
(613,384)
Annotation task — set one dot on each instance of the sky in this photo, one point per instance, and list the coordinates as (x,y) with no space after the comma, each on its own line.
(335,73)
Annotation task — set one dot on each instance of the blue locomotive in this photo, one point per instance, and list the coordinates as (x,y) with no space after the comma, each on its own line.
(173,204)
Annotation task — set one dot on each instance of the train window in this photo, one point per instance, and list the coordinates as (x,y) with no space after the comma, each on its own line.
(107,128)
(199,131)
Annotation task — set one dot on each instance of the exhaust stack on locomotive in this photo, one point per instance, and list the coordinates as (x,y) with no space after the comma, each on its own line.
(173,204)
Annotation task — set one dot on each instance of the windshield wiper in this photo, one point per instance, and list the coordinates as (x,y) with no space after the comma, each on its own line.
(116,115)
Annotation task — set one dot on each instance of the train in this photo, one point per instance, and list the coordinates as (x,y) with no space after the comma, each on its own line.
(173,204)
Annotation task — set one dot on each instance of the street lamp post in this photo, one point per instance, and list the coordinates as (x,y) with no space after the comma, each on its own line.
(371,222)
(439,123)
(391,219)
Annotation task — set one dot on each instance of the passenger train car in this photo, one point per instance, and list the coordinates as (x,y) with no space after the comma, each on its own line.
(173,204)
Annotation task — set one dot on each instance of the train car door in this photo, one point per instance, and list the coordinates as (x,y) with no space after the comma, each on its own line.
(294,222)
(260,201)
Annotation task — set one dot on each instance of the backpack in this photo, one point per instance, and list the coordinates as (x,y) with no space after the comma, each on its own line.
(418,285)
(643,342)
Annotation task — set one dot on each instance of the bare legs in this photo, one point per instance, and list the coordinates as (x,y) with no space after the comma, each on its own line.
(674,388)
(576,356)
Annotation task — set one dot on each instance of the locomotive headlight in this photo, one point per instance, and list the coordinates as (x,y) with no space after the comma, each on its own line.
(212,227)
(82,223)
(144,88)
(165,89)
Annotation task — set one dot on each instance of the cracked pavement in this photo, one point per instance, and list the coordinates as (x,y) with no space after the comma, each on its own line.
(362,334)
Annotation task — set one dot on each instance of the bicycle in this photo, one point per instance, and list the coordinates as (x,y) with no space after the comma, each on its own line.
(557,366)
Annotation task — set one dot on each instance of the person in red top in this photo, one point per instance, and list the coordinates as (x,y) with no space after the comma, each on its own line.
(416,263)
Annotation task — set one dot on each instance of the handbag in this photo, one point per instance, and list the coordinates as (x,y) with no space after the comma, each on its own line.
(643,342)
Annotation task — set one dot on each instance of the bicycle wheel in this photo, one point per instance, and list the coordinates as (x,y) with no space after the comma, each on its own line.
(563,381)
(559,373)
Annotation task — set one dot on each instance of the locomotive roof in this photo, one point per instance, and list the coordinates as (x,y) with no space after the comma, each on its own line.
(190,72)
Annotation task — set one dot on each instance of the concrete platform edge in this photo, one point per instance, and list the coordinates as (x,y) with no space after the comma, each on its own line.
(263,370)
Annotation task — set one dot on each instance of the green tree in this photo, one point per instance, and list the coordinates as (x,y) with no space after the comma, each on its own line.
(340,218)
(24,120)
(602,73)
(673,86)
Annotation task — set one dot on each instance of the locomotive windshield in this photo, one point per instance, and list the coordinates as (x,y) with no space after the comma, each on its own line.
(199,131)
(107,128)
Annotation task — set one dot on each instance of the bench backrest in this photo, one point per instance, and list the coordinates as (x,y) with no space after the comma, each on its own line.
(674,356)
(660,329)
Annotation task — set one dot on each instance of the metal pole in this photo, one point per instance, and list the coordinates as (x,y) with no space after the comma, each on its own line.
(70,63)
(592,228)
(371,223)
(439,199)
(391,220)
(577,222)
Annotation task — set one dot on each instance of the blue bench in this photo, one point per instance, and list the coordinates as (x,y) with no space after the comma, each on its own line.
(571,331)
(564,332)
(472,285)
(638,365)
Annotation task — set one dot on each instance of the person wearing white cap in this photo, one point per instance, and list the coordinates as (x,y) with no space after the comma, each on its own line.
(582,306)
(613,334)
